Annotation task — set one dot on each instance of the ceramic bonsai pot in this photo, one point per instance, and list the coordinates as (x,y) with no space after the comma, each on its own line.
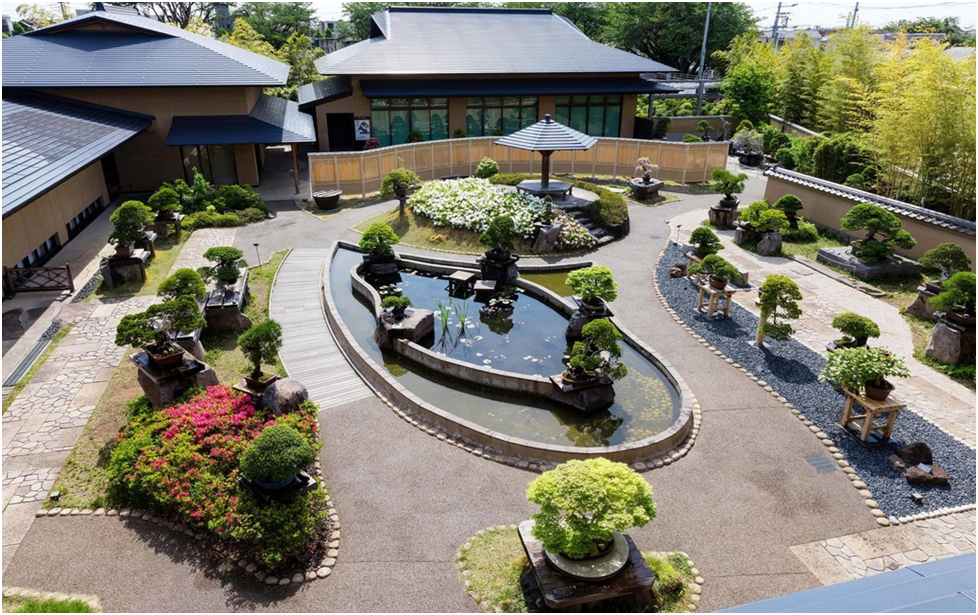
(878,394)
(610,561)
(169,360)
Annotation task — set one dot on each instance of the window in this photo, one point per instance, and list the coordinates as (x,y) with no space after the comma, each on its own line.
(84,218)
(486,116)
(41,253)
(393,119)
(597,115)
(215,162)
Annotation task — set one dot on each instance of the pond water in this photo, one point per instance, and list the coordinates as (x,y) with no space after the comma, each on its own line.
(516,333)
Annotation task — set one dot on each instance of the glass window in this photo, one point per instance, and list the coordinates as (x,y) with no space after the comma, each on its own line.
(492,115)
(380,127)
(597,115)
(223,169)
(400,126)
(439,124)
(402,116)
(612,120)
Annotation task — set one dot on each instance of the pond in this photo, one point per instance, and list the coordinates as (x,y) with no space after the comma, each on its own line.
(517,333)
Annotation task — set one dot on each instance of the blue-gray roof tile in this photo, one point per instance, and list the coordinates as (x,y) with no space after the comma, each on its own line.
(47,139)
(325,90)
(439,41)
(145,53)
(272,120)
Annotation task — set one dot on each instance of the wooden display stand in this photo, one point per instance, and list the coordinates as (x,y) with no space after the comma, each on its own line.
(713,302)
(865,424)
(461,282)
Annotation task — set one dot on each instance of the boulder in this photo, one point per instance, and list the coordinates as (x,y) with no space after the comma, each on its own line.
(770,244)
(921,306)
(916,476)
(416,325)
(951,344)
(914,453)
(226,320)
(284,396)
(585,397)
(546,241)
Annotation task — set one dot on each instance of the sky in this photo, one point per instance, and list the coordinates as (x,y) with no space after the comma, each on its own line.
(824,14)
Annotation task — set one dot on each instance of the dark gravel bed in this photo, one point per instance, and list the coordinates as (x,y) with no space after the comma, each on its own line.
(792,369)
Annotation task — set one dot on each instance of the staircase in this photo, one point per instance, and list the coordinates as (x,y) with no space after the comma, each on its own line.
(576,211)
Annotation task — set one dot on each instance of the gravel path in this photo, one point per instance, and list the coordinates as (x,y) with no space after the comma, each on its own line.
(792,369)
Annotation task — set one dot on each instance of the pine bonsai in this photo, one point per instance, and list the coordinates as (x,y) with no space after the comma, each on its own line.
(704,127)
(165,201)
(397,306)
(691,138)
(882,229)
(378,239)
(500,236)
(183,283)
(227,263)
(958,295)
(130,220)
(779,302)
(398,179)
(597,353)
(717,267)
(593,285)
(729,185)
(152,329)
(856,329)
(950,258)
(261,344)
(705,241)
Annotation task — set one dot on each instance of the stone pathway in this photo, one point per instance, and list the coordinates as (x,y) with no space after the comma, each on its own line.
(868,553)
(47,418)
(929,393)
(192,254)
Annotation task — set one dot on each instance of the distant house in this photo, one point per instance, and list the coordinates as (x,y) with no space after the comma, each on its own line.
(113,102)
(8,25)
(436,70)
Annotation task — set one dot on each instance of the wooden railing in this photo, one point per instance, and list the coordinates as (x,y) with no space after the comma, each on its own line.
(37,279)
(363,172)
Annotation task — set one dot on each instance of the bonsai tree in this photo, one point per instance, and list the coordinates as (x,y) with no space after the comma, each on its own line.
(487,168)
(183,283)
(415,136)
(790,205)
(856,329)
(958,295)
(704,127)
(597,353)
(583,503)
(378,239)
(779,302)
(165,201)
(705,241)
(593,285)
(950,258)
(744,125)
(276,456)
(691,138)
(396,305)
(459,133)
(547,217)
(151,330)
(763,219)
(130,220)
(750,141)
(882,232)
(261,344)
(397,182)
(500,236)
(718,268)
(852,368)
(227,261)
(728,184)
(646,170)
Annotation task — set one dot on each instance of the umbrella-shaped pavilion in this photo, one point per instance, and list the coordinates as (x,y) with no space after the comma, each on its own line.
(547,137)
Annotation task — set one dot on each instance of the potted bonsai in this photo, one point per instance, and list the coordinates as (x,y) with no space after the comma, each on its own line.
(129,220)
(183,283)
(705,242)
(761,223)
(584,507)
(596,355)
(227,264)
(644,185)
(704,127)
(595,287)
(276,456)
(261,344)
(499,262)
(376,244)
(779,302)
(957,300)
(856,330)
(729,185)
(864,368)
(396,305)
(882,229)
(720,271)
(165,203)
(397,182)
(750,143)
(790,205)
(948,258)
(152,330)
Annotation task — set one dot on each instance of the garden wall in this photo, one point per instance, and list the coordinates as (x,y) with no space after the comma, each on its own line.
(826,203)
(789,128)
(363,172)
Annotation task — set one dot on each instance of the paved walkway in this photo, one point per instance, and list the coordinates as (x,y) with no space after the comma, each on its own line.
(192,253)
(309,352)
(928,392)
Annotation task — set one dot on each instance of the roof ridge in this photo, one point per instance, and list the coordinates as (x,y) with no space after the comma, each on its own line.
(23,93)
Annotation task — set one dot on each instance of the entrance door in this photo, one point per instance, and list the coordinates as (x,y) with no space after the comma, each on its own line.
(110,172)
(339,131)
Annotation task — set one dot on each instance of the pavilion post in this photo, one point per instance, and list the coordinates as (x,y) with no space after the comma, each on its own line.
(545,170)
(295,166)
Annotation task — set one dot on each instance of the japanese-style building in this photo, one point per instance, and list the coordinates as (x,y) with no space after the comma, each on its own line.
(436,71)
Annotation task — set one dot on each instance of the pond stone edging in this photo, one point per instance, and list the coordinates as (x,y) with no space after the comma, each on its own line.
(837,455)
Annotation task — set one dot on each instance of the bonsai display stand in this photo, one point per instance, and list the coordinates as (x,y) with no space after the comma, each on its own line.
(160,225)
(416,325)
(163,386)
(224,306)
(722,217)
(483,288)
(117,270)
(241,386)
(461,282)
(865,425)
(843,258)
(148,243)
(553,189)
(303,483)
(566,594)
(713,303)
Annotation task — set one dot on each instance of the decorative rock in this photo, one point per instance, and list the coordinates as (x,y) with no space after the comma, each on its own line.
(872,503)
(858,484)
(112,513)
(883,521)
(937,476)
(99,512)
(54,512)
(914,453)
(876,512)
(332,553)
(271,580)
(284,396)
(251,567)
(329,562)
(285,581)
(311,575)
(323,572)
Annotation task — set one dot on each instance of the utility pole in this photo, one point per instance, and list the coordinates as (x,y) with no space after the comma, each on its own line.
(774,30)
(855,14)
(706,32)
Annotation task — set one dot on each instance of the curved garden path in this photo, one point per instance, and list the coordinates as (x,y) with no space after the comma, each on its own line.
(736,503)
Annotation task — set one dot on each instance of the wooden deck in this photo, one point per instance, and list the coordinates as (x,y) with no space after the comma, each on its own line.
(309,352)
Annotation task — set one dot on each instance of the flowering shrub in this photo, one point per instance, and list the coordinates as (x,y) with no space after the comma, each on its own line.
(473,203)
(573,236)
(184,460)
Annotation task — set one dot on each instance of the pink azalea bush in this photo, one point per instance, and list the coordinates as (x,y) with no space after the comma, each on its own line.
(184,459)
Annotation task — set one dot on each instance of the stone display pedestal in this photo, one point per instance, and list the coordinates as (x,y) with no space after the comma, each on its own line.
(546,239)
(921,306)
(502,270)
(844,258)
(582,316)
(224,306)
(723,218)
(770,244)
(381,265)
(162,387)
(586,397)
(163,226)
(642,190)
(416,325)
(951,343)
(117,270)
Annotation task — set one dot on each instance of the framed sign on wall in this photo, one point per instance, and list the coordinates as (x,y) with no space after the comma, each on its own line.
(361,128)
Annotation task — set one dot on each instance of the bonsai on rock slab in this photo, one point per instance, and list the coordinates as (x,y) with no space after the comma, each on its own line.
(873,256)
(593,367)
(594,287)
(378,253)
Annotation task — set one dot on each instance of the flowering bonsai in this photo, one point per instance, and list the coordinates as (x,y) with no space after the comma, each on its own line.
(644,184)
(500,237)
(779,302)
(949,258)
(596,354)
(584,503)
(594,285)
(853,369)
(720,270)
(729,185)
(152,330)
(183,283)
(276,456)
(261,344)
(129,220)
(397,306)
(882,229)
(958,295)
(856,329)
(227,262)
(705,241)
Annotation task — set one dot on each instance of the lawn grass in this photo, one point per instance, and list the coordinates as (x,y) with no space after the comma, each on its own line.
(493,565)
(36,605)
(26,379)
(703,188)
(809,250)
(346,202)
(167,250)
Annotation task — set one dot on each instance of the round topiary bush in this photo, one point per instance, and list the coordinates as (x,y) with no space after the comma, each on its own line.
(487,168)
(378,239)
(183,282)
(276,455)
(583,503)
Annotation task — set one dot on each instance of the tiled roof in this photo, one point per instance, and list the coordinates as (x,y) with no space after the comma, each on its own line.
(143,53)
(440,41)
(47,139)
(907,210)
(325,90)
(272,120)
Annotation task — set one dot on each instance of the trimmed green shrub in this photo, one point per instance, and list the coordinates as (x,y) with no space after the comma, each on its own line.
(261,344)
(415,136)
(378,239)
(398,178)
(241,197)
(949,258)
(705,241)
(209,219)
(510,179)
(856,329)
(459,133)
(130,221)
(183,283)
(501,236)
(691,139)
(744,124)
(660,127)
(227,261)
(609,208)
(582,503)
(805,233)
(252,214)
(764,219)
(487,168)
(779,302)
(592,284)
(278,453)
(852,368)
(882,232)
(958,294)
(857,181)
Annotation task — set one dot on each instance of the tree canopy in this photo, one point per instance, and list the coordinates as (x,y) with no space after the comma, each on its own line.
(177,13)
(277,21)
(955,36)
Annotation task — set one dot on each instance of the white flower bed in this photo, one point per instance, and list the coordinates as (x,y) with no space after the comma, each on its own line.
(473,203)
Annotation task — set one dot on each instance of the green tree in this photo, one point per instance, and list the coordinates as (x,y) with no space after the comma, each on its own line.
(955,36)
(672,32)
(854,58)
(277,21)
(177,13)
(749,89)
(300,54)
(779,302)
(244,36)
(36,16)
(798,78)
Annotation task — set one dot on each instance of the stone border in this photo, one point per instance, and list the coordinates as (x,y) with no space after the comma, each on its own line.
(837,455)
(518,452)
(695,587)
(33,594)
